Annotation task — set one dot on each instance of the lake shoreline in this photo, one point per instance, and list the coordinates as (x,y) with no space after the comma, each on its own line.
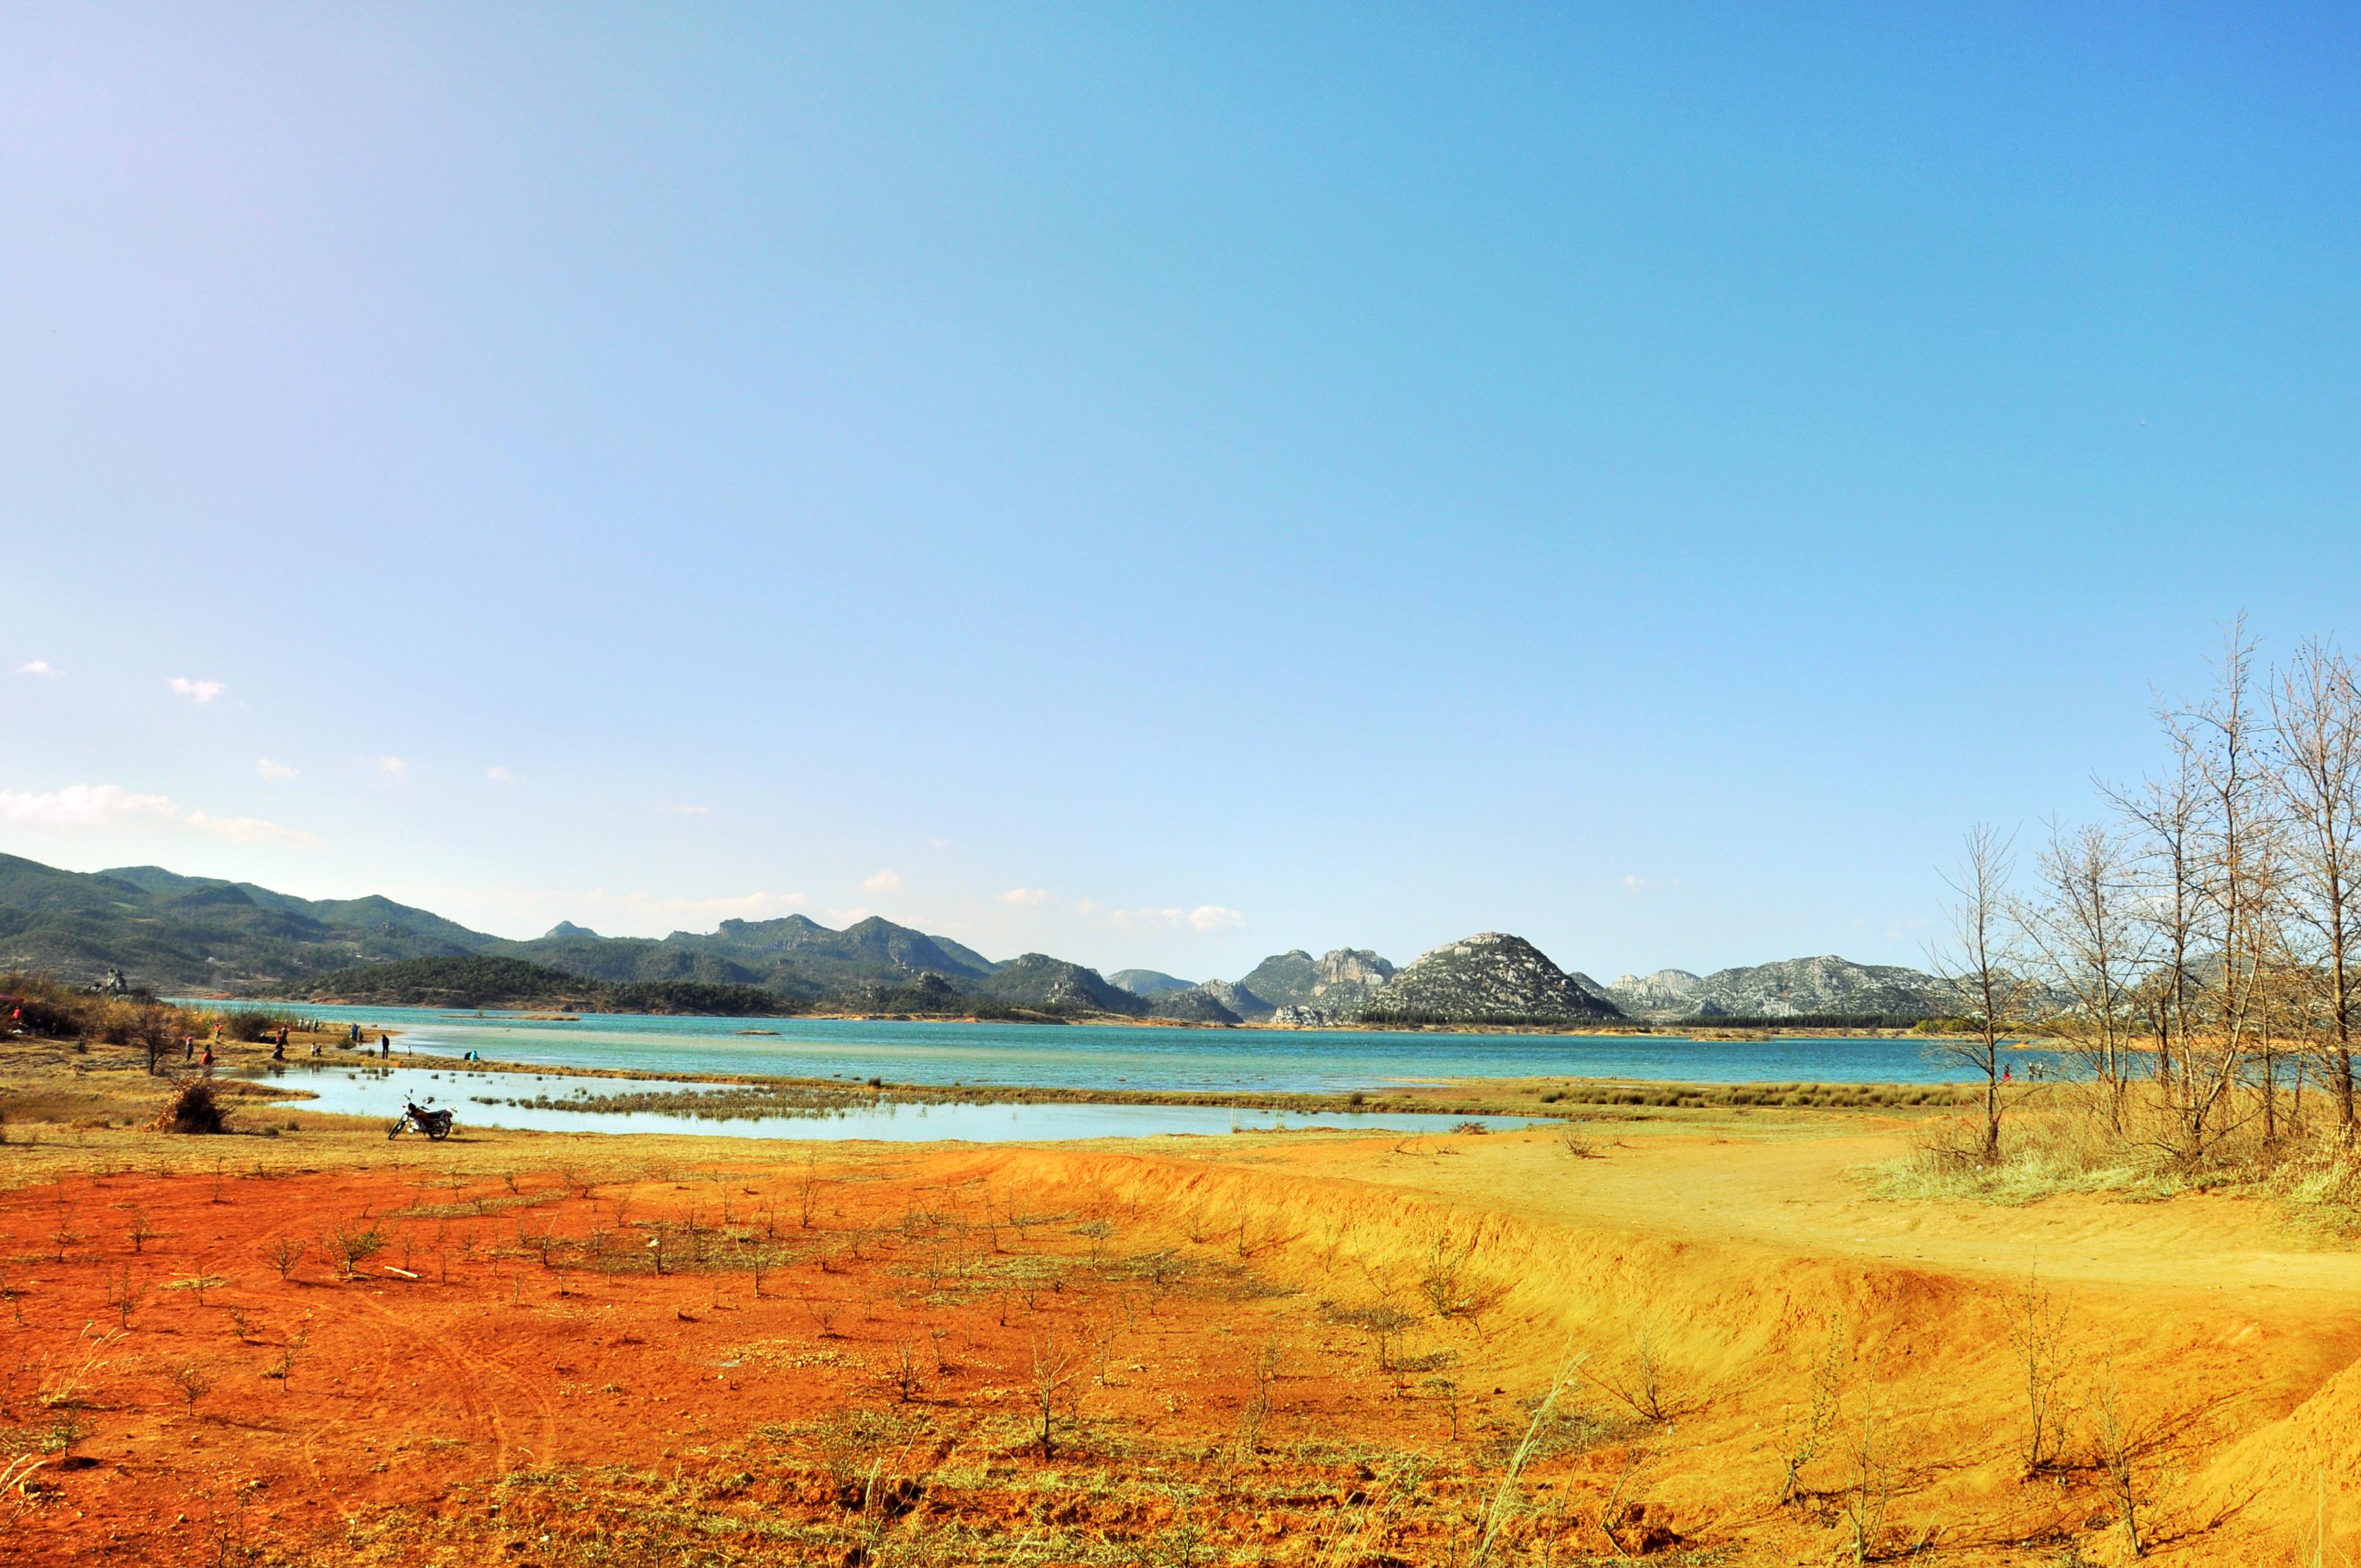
(1670,1029)
(1564,1098)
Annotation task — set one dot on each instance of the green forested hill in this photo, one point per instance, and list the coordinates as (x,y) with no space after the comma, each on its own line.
(796,956)
(476,982)
(177,933)
(183,935)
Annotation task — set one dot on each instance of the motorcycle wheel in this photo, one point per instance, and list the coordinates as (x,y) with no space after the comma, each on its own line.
(439,1134)
(393,1132)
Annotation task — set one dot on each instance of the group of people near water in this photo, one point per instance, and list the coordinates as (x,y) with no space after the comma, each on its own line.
(353,1041)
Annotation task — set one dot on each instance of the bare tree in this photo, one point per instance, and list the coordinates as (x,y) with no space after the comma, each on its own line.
(2234,860)
(1055,1368)
(2316,715)
(2092,947)
(1981,960)
(2163,813)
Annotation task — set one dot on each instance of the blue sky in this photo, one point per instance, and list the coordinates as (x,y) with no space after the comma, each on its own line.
(1155,486)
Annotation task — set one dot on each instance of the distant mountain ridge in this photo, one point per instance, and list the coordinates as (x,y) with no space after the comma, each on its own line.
(1037,980)
(794,955)
(1823,986)
(200,935)
(1147,982)
(1336,983)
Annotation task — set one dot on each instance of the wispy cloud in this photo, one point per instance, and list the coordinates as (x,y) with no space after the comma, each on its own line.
(696,912)
(1205,917)
(1026,896)
(38,667)
(271,769)
(391,767)
(1634,882)
(674,808)
(198,692)
(82,807)
(884,882)
(501,777)
(939,843)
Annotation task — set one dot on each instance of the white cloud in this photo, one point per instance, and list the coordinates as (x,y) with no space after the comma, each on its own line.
(1025,896)
(1205,917)
(391,767)
(501,775)
(674,808)
(37,667)
(884,882)
(199,692)
(86,807)
(939,843)
(1635,883)
(271,769)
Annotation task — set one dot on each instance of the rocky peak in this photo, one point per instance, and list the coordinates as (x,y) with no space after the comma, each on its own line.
(1492,977)
(1237,998)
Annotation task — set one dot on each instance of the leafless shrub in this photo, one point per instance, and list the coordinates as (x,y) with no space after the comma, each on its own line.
(1440,1281)
(125,1294)
(352,1242)
(284,1253)
(1384,1324)
(282,1371)
(1265,1373)
(1803,1434)
(2117,1454)
(2036,1331)
(193,1382)
(808,1191)
(1869,1481)
(1645,1385)
(1054,1371)
(196,1284)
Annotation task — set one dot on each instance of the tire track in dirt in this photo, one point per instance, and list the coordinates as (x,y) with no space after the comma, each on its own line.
(463,1365)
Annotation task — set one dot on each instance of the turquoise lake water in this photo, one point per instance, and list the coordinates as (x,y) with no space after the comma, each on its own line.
(1132,1056)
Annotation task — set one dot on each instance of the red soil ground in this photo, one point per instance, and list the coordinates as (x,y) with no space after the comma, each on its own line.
(499,1407)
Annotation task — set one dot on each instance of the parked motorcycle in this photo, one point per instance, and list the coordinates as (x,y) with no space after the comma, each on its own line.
(435,1124)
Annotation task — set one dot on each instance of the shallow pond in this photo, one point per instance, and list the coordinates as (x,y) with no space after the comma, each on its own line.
(357,1090)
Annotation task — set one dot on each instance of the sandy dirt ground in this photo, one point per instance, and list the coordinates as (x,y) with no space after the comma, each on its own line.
(1311,1348)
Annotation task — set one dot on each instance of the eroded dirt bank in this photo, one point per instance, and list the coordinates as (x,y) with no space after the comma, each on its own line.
(1288,1349)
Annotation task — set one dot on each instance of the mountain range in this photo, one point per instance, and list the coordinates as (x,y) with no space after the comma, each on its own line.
(1798,987)
(182,934)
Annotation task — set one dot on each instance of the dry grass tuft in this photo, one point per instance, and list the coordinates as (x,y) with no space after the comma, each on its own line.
(195,1108)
